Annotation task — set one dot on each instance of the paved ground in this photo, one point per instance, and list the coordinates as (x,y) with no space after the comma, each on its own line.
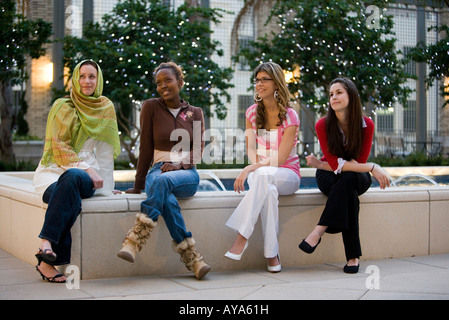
(413,278)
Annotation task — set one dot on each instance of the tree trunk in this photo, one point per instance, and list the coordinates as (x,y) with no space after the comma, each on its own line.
(6,122)
(193,3)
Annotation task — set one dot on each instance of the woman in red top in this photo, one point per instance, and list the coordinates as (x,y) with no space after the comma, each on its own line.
(343,173)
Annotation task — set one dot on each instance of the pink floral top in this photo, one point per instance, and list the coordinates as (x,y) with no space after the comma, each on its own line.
(269,141)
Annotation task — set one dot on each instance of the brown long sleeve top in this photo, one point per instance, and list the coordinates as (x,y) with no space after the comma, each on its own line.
(160,130)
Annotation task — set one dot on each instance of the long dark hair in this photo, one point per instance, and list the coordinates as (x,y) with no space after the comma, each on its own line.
(354,139)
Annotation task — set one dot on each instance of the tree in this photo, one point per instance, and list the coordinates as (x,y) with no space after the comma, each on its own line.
(437,58)
(135,38)
(325,39)
(19,37)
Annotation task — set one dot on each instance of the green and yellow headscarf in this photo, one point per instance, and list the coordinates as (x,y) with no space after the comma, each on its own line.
(73,120)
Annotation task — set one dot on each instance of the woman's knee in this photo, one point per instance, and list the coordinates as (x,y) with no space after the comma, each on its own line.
(73,176)
(349,179)
(357,180)
(160,181)
(265,173)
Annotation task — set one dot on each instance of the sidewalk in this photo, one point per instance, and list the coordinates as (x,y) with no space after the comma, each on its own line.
(412,278)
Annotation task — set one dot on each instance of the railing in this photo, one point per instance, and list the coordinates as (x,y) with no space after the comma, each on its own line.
(396,144)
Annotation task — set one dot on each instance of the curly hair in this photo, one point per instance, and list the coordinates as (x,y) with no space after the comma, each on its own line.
(177,70)
(283,95)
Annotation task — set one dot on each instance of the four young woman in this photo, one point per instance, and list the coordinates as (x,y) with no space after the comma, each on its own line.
(82,141)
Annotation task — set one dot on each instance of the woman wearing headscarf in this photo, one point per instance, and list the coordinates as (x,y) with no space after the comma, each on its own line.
(81,143)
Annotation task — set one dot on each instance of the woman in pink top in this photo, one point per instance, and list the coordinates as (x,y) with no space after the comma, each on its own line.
(271,136)
(343,173)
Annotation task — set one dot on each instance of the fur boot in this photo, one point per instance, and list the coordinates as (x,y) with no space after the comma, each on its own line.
(191,258)
(137,236)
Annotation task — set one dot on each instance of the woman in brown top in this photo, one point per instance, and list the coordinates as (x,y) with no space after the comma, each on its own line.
(171,144)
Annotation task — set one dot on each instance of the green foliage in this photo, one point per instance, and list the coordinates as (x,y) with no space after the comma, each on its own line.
(415,159)
(139,35)
(19,37)
(437,58)
(328,39)
(17,166)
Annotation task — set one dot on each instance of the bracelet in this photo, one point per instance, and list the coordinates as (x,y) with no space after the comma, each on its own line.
(372,168)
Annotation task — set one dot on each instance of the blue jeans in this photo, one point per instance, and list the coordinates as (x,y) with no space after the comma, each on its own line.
(162,191)
(64,205)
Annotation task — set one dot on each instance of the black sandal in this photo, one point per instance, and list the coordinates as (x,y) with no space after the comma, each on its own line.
(50,279)
(44,277)
(43,255)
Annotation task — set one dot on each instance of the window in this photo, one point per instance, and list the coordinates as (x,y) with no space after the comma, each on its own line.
(244,43)
(410,116)
(384,120)
(244,101)
(410,67)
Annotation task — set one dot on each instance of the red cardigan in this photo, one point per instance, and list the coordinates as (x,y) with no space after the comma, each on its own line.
(332,159)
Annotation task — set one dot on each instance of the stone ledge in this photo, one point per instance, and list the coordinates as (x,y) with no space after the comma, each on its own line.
(397,222)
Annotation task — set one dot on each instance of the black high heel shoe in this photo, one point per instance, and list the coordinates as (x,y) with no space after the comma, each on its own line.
(44,277)
(307,248)
(43,255)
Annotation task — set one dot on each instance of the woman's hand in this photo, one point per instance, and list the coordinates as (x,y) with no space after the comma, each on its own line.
(97,180)
(381,176)
(170,167)
(316,163)
(133,190)
(313,162)
(239,183)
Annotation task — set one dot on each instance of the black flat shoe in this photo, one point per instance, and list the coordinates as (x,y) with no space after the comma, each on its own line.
(307,248)
(351,269)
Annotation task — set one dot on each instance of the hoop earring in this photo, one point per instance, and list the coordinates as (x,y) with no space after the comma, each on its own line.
(257,98)
(276,95)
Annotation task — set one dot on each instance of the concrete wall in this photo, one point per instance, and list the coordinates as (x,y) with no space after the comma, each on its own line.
(398,222)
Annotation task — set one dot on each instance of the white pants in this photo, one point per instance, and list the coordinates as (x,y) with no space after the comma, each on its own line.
(265,185)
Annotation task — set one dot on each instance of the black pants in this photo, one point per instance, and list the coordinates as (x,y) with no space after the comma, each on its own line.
(341,213)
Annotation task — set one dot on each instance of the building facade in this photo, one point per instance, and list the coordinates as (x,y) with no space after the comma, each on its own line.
(68,16)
